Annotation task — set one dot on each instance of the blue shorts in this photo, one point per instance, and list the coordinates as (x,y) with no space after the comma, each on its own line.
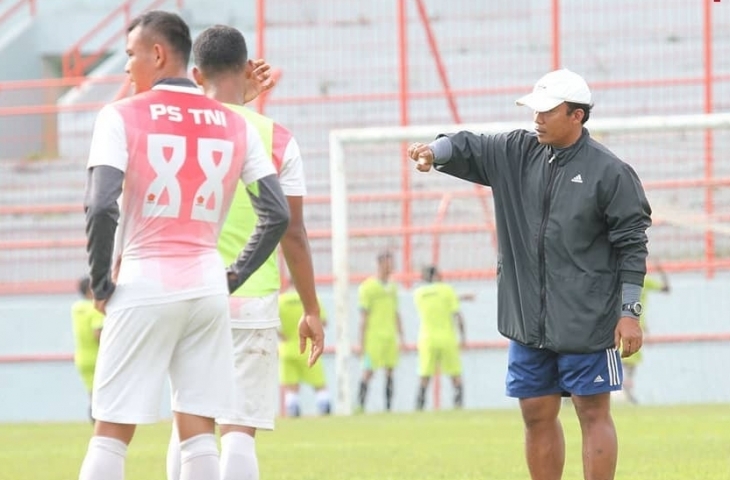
(533,372)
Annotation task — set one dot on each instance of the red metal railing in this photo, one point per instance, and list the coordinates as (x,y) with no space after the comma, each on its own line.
(409,17)
(708,108)
(16,8)
(403,86)
(435,229)
(76,63)
(405,93)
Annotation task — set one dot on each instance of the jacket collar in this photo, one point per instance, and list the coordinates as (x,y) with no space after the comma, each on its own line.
(564,155)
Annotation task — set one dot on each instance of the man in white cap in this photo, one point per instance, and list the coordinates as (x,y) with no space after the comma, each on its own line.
(571,222)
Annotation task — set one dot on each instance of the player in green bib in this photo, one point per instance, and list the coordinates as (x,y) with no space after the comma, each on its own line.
(630,364)
(294,368)
(87,322)
(380,328)
(438,346)
(224,72)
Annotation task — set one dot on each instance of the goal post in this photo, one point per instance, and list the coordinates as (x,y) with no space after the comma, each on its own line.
(624,135)
(341,274)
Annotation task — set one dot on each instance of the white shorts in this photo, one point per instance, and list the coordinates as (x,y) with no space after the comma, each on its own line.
(256,360)
(187,340)
(255,312)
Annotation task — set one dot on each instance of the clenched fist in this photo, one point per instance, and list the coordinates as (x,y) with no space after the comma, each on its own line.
(422,155)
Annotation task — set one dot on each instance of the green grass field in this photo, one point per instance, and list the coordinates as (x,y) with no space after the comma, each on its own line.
(668,443)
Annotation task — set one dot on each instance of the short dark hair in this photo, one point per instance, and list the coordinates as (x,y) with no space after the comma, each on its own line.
(170,26)
(220,49)
(572,107)
(84,285)
(429,273)
(385,255)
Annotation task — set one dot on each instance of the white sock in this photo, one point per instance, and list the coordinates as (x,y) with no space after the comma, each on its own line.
(173,454)
(291,403)
(104,459)
(238,457)
(199,458)
(323,402)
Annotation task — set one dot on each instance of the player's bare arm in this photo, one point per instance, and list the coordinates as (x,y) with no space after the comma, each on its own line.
(459,318)
(665,280)
(272,211)
(400,331)
(363,329)
(104,186)
(467,297)
(295,246)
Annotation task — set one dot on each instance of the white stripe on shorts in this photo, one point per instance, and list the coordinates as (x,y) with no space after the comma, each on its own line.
(612,361)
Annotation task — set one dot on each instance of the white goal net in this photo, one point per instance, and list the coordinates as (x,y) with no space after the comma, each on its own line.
(379,201)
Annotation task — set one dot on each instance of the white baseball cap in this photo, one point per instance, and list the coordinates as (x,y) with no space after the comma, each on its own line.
(555,88)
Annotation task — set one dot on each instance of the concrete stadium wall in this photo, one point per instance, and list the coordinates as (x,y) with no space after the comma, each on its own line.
(681,373)
(18,55)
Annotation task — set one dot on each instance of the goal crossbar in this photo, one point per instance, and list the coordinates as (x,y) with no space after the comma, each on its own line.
(642,124)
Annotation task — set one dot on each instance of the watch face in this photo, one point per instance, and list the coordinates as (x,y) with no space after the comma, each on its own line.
(637,308)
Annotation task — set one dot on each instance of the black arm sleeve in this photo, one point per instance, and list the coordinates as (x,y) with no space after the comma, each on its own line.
(628,216)
(477,158)
(104,185)
(272,210)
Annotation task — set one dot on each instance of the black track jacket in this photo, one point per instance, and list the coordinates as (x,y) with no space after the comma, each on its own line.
(571,228)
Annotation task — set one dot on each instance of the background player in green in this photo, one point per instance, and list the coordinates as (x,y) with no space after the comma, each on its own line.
(630,364)
(86,322)
(380,328)
(294,367)
(438,309)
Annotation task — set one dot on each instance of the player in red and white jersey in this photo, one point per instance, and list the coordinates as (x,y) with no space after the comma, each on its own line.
(177,156)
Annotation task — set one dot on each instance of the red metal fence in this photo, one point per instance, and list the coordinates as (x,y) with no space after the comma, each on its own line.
(108,33)
(17,8)
(400,62)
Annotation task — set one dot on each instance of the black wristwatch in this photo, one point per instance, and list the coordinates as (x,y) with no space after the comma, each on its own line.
(636,308)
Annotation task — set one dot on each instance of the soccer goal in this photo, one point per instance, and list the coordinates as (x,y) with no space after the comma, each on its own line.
(378,201)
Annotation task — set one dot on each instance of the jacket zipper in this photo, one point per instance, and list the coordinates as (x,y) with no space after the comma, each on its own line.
(552,168)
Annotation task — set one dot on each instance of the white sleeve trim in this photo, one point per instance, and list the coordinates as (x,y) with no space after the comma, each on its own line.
(257,163)
(109,140)
(292,171)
